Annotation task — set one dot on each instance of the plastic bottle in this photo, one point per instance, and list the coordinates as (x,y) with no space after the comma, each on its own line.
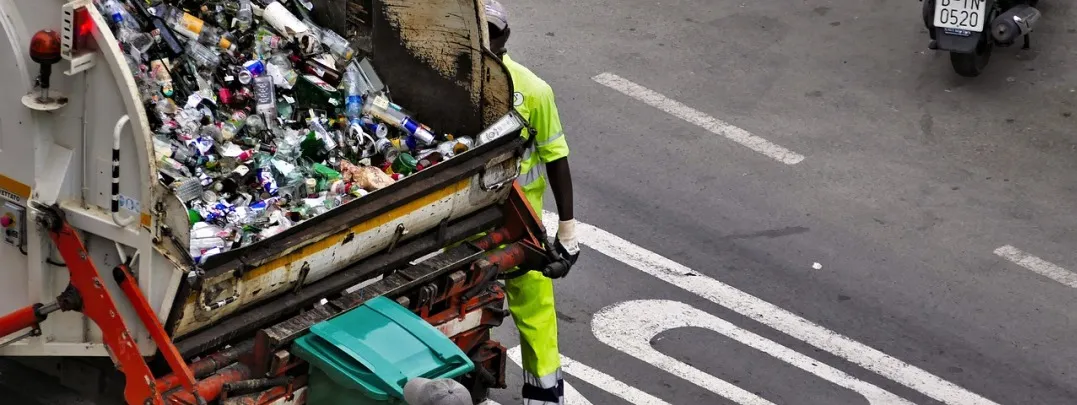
(323,135)
(202,56)
(194,28)
(266,42)
(173,168)
(353,105)
(117,13)
(126,27)
(378,107)
(338,46)
(244,16)
(159,27)
(280,69)
(222,39)
(183,22)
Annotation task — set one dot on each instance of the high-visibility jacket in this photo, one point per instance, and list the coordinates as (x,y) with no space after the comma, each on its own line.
(531,296)
(534,100)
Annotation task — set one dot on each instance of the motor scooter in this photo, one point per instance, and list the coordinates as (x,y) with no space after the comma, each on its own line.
(970,29)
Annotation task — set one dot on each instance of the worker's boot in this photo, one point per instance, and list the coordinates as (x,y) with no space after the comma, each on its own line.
(548,390)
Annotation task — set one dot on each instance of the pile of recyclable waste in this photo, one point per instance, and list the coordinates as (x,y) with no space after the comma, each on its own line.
(261,118)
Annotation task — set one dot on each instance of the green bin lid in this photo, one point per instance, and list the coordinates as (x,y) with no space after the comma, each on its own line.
(377,347)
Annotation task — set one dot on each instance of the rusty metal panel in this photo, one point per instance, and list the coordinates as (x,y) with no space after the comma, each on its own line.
(433,57)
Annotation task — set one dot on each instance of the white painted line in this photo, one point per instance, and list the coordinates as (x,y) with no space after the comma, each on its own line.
(630,326)
(684,112)
(572,397)
(770,315)
(599,380)
(1037,265)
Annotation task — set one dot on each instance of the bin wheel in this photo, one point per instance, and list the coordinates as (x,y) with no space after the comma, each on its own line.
(477,397)
(477,386)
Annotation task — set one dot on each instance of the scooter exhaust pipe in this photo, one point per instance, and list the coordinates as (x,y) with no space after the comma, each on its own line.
(1015,23)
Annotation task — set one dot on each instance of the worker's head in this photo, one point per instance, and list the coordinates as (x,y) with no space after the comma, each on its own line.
(497,20)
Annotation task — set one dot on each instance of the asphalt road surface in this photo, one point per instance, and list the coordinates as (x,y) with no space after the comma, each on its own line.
(914,230)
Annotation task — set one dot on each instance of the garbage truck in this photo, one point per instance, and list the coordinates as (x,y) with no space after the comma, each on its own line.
(100,289)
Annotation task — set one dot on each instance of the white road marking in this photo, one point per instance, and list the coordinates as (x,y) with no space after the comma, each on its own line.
(684,112)
(770,315)
(1037,265)
(599,380)
(630,326)
(572,397)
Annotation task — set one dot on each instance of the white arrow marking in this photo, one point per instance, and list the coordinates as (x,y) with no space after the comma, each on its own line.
(630,326)
(771,315)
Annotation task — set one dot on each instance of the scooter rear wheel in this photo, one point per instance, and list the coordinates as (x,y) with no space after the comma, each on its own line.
(972,64)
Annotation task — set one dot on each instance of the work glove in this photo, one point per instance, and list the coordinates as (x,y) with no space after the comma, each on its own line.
(567,248)
(567,245)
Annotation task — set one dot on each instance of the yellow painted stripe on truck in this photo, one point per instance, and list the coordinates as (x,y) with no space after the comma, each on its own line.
(13,188)
(331,240)
(372,223)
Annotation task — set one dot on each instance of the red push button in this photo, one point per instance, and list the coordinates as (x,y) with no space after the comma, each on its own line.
(6,221)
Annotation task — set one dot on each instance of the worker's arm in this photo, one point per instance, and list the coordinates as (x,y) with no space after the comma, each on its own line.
(561,184)
(553,151)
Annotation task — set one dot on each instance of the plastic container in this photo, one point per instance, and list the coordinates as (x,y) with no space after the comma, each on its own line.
(365,356)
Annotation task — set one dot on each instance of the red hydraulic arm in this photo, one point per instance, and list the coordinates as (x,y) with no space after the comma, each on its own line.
(88,294)
(127,283)
(18,320)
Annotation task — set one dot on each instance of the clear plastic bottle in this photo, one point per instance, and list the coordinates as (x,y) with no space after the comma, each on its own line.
(288,144)
(183,22)
(321,133)
(173,168)
(137,40)
(222,39)
(202,56)
(265,42)
(194,28)
(379,107)
(280,69)
(126,27)
(338,46)
(117,13)
(244,16)
(353,105)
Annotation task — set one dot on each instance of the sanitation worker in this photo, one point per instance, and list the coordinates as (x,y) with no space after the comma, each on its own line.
(531,295)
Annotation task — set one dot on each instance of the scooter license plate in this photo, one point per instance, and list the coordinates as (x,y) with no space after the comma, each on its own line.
(968,15)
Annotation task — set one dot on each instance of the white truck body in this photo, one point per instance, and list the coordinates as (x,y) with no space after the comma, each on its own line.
(64,157)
